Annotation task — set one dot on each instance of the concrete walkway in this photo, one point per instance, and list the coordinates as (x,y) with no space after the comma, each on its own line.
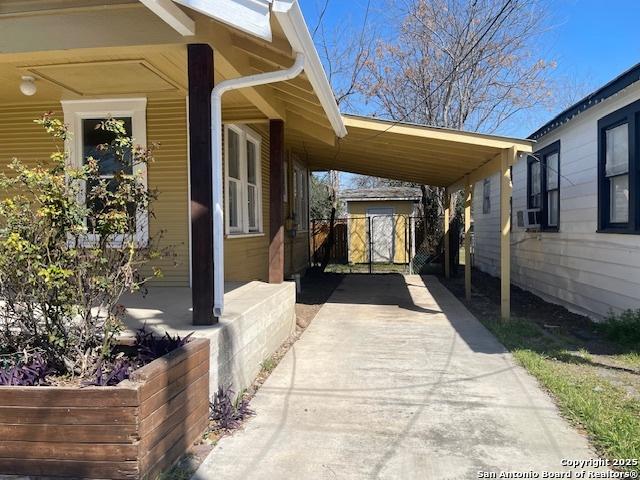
(395,379)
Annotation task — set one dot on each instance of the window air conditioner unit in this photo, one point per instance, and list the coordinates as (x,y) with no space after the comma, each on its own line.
(531,218)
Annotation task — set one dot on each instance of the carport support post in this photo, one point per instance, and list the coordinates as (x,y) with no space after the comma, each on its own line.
(468,198)
(447,245)
(200,72)
(276,203)
(508,157)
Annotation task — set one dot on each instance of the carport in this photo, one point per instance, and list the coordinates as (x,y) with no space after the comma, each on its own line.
(442,157)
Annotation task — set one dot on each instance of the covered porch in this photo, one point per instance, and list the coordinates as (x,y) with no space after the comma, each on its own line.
(452,159)
(158,62)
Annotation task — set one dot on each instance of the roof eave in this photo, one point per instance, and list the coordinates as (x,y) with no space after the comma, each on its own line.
(249,16)
(381,199)
(619,83)
(291,19)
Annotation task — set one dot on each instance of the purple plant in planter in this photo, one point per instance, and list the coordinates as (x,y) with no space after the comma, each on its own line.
(110,373)
(27,374)
(147,347)
(150,347)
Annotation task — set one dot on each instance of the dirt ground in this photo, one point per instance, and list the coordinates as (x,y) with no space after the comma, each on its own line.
(526,305)
(317,287)
(578,334)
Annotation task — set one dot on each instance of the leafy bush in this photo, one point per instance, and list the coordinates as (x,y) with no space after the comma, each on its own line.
(227,413)
(69,249)
(623,328)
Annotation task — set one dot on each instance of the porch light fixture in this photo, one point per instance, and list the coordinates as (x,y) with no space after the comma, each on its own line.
(28,86)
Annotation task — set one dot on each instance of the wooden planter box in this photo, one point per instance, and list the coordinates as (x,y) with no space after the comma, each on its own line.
(133,430)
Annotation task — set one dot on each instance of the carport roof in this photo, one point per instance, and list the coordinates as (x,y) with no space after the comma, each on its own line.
(409,152)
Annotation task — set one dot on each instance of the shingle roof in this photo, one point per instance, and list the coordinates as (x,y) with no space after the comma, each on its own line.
(381,193)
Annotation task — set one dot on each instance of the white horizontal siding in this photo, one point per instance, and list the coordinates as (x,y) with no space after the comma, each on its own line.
(486,228)
(588,272)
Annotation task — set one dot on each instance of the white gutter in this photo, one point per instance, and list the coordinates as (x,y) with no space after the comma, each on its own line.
(291,19)
(216,170)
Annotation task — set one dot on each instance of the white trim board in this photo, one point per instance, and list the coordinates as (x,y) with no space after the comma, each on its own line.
(77,110)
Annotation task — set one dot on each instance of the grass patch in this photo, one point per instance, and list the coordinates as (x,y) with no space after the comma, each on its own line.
(631,360)
(610,417)
(269,364)
(623,329)
(605,411)
(364,268)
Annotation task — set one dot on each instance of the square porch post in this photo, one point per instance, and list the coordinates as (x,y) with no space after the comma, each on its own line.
(447,245)
(276,202)
(468,199)
(507,157)
(200,72)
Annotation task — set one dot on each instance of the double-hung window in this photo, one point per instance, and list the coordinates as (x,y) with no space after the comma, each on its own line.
(243,181)
(618,195)
(301,197)
(82,118)
(534,183)
(543,185)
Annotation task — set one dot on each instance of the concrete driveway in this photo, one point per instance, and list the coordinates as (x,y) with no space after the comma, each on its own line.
(395,379)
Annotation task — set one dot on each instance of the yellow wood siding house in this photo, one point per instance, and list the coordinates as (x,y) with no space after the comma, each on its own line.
(234,94)
(89,59)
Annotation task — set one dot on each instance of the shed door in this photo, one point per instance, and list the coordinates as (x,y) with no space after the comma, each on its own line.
(382,234)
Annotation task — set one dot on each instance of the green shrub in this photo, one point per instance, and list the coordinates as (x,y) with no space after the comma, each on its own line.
(623,328)
(69,249)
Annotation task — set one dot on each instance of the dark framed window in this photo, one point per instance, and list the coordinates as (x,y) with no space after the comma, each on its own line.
(543,185)
(618,171)
(94,142)
(486,196)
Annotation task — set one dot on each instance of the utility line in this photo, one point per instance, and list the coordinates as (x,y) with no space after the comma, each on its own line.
(453,71)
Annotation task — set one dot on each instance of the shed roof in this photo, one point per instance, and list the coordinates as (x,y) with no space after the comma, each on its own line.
(408,152)
(381,193)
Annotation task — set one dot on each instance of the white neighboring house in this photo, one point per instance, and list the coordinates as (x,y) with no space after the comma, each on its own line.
(585,251)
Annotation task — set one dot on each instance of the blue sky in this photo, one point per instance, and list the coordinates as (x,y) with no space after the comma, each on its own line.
(591,40)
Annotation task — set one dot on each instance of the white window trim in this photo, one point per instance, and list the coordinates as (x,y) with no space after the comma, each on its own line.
(245,134)
(77,110)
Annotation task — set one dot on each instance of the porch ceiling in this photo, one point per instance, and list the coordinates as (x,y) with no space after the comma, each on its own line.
(68,45)
(407,152)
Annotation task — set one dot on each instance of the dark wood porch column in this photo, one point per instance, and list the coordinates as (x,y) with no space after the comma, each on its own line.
(200,65)
(276,204)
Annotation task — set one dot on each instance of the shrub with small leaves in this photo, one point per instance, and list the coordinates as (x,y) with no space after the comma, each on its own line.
(70,247)
(623,328)
(226,412)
